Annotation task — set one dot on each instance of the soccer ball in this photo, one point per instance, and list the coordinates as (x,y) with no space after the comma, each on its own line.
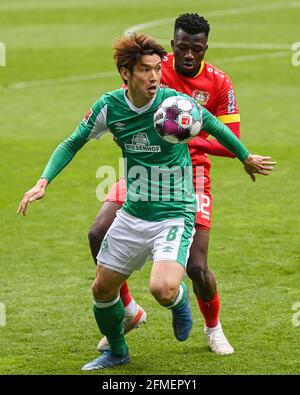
(178,119)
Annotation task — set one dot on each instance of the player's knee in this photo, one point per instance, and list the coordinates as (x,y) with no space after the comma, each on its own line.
(102,291)
(164,292)
(197,267)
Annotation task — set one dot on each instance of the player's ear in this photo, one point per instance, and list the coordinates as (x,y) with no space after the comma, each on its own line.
(172,44)
(125,73)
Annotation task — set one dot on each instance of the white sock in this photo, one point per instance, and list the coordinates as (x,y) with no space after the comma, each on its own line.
(131,309)
(209,330)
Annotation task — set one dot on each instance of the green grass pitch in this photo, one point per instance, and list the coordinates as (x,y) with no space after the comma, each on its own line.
(53,51)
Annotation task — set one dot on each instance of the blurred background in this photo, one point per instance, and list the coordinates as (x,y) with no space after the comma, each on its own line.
(58,62)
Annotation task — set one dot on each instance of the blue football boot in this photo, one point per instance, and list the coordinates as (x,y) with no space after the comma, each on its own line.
(107,360)
(182,321)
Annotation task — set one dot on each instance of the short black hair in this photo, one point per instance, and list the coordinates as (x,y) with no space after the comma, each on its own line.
(192,24)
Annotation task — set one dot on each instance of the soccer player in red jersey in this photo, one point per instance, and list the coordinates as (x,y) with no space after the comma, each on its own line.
(185,70)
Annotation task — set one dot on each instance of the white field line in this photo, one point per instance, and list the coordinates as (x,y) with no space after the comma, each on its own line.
(231,45)
(252,58)
(261,46)
(109,74)
(218,13)
(52,4)
(161,22)
(73,78)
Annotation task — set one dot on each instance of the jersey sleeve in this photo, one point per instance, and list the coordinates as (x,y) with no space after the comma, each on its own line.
(227,109)
(227,112)
(213,147)
(93,125)
(223,134)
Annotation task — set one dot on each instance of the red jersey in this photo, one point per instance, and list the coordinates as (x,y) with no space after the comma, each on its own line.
(213,89)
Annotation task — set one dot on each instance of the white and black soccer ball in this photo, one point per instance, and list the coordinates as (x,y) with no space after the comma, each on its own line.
(178,119)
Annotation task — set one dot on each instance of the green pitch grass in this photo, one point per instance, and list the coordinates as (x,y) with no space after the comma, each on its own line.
(46,268)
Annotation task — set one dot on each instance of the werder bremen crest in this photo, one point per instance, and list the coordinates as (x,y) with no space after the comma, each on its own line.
(141,139)
(104,244)
(141,143)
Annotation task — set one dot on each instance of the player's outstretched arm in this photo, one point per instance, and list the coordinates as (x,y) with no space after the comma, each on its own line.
(258,164)
(35,193)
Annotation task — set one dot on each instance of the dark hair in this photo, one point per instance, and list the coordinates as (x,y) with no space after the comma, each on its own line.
(129,50)
(192,24)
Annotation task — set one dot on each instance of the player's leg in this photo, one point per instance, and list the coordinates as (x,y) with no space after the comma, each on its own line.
(170,252)
(102,222)
(109,314)
(134,314)
(122,251)
(113,202)
(170,291)
(204,281)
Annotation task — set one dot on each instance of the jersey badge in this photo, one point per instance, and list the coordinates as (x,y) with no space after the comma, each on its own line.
(201,97)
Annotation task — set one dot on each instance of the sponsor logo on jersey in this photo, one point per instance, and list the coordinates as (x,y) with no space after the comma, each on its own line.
(201,97)
(119,125)
(141,143)
(231,102)
(88,115)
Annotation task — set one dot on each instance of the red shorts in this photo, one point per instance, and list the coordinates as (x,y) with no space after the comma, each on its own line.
(117,194)
(204,205)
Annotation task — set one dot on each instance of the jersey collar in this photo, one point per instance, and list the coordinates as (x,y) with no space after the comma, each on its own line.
(138,110)
(201,69)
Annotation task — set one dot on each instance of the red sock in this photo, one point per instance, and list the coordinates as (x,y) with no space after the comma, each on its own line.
(125,294)
(210,310)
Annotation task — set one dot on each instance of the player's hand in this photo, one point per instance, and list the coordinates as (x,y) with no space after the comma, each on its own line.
(35,193)
(258,164)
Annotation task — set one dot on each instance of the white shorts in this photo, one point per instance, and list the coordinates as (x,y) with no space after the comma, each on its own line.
(131,241)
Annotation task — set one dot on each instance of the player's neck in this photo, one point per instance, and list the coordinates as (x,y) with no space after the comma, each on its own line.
(137,99)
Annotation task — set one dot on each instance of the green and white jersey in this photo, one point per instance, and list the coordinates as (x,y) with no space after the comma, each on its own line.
(158,173)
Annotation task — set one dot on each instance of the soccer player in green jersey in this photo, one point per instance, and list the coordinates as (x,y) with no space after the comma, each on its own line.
(151,222)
